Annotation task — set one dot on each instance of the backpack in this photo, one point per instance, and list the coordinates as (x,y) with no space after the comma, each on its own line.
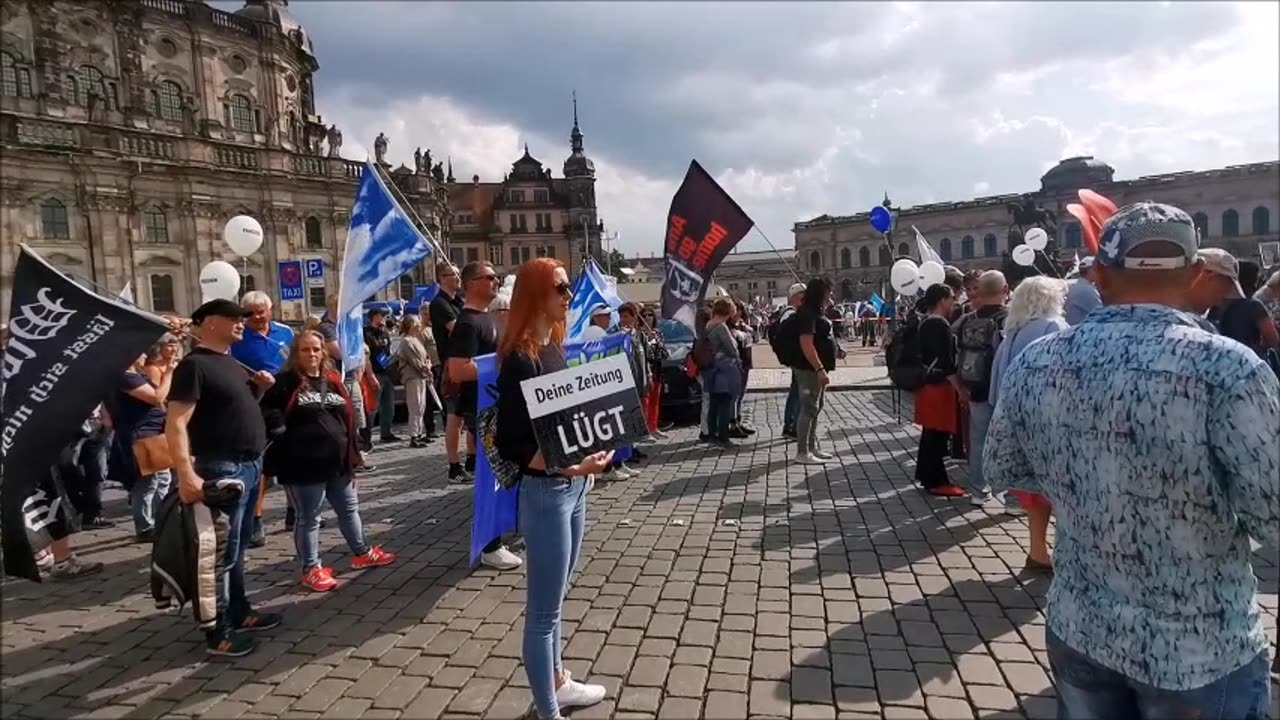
(902,355)
(976,339)
(774,332)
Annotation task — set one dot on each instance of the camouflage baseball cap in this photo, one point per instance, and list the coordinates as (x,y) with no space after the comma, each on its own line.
(1145,222)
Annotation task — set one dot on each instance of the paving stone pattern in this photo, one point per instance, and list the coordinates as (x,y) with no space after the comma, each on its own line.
(713,585)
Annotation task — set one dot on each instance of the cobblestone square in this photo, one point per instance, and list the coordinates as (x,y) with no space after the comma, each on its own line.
(718,585)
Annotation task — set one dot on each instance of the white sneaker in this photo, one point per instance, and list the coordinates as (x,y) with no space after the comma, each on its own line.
(822,455)
(575,694)
(661,435)
(807,459)
(501,559)
(622,473)
(979,499)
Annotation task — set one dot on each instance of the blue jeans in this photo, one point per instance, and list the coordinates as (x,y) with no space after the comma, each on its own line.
(1087,690)
(720,415)
(792,409)
(306,501)
(979,420)
(552,516)
(239,533)
(145,497)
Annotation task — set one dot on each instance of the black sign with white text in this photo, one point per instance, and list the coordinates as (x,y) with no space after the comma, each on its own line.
(585,409)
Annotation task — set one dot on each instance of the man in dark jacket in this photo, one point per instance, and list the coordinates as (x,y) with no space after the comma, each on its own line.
(378,337)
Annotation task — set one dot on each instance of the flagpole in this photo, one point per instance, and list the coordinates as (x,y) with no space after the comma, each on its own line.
(781,257)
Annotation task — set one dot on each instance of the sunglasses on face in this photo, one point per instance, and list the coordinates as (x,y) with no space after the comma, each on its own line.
(565,289)
(489,278)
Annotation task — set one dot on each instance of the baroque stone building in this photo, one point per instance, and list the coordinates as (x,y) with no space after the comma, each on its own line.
(529,214)
(1236,208)
(132,131)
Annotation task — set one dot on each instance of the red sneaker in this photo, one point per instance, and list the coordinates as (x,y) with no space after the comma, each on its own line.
(947,491)
(319,579)
(376,557)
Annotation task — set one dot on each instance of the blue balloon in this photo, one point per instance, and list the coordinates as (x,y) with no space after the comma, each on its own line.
(881,220)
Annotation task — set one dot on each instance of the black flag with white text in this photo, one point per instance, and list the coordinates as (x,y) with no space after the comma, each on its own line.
(67,347)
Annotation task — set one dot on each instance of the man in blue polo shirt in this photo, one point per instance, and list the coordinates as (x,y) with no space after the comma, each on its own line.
(265,346)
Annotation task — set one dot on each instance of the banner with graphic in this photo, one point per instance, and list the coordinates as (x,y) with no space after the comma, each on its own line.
(67,346)
(382,244)
(703,225)
(493,506)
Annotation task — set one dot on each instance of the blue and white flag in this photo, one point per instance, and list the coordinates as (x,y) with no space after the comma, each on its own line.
(493,506)
(590,289)
(382,244)
(876,302)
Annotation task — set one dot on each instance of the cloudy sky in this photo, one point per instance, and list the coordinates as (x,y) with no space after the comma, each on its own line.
(801,109)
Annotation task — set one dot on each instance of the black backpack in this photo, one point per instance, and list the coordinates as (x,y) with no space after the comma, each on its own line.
(902,355)
(976,340)
(774,331)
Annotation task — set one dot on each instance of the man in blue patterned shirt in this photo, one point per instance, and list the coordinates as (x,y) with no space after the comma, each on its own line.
(1159,446)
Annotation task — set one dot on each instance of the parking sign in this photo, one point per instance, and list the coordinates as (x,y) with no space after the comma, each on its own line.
(315,271)
(290,280)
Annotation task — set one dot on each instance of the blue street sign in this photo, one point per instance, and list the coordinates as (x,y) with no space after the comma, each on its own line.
(315,269)
(291,280)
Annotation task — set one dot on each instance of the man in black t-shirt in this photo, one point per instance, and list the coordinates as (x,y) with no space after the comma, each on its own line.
(816,357)
(378,338)
(215,431)
(444,311)
(474,334)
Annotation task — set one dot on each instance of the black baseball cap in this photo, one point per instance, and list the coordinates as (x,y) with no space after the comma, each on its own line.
(220,308)
(380,310)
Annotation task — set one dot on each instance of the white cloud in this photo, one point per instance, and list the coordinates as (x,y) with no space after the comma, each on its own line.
(806,108)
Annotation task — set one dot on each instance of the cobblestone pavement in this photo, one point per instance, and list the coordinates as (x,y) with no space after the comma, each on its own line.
(713,585)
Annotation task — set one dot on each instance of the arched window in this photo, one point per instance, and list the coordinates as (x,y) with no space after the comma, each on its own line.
(241,113)
(1261,221)
(314,240)
(846,259)
(864,257)
(162,299)
(1072,234)
(989,247)
(169,101)
(157,226)
(944,248)
(53,220)
(815,260)
(406,287)
(1201,221)
(1230,223)
(14,81)
(89,82)
(966,247)
(886,257)
(904,250)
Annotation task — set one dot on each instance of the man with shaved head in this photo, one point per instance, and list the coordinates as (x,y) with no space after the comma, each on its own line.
(1156,443)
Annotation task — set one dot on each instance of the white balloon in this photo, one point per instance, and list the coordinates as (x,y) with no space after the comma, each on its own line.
(931,273)
(1037,239)
(910,288)
(243,235)
(219,281)
(903,274)
(1024,255)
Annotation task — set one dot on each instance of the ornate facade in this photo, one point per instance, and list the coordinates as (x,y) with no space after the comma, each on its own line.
(1236,208)
(529,214)
(132,131)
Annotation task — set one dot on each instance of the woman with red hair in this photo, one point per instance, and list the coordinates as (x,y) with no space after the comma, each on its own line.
(552,501)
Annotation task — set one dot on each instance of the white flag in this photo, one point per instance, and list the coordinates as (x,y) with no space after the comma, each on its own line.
(926,251)
(127,291)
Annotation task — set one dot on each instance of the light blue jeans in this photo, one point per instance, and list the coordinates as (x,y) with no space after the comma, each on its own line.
(979,420)
(1087,690)
(306,500)
(145,497)
(552,516)
(239,533)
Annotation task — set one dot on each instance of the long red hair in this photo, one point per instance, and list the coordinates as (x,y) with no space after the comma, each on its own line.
(535,282)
